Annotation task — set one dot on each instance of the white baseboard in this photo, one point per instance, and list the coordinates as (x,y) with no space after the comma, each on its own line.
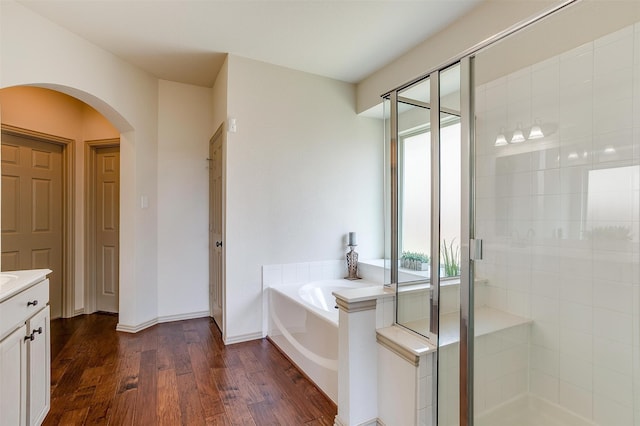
(373,422)
(182,317)
(136,328)
(243,338)
(167,318)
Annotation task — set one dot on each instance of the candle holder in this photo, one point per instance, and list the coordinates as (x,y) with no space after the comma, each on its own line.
(352,263)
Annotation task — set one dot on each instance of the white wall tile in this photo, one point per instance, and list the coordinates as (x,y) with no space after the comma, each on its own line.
(315,271)
(612,325)
(613,115)
(515,384)
(546,207)
(519,303)
(576,344)
(545,283)
(576,399)
(545,77)
(546,182)
(613,355)
(271,275)
(576,65)
(572,181)
(576,372)
(575,150)
(545,361)
(545,386)
(545,309)
(613,85)
(576,316)
(609,412)
(546,335)
(302,272)
(615,386)
(580,294)
(614,296)
(611,55)
(545,159)
(289,273)
(576,289)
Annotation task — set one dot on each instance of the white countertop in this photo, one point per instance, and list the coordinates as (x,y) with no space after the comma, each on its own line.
(365,293)
(13,282)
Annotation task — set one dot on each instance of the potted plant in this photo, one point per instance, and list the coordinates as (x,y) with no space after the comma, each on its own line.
(450,259)
(414,261)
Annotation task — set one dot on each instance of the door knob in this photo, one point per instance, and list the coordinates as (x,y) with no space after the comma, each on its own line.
(218,243)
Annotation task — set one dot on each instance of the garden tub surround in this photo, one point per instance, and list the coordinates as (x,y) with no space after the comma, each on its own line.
(301,317)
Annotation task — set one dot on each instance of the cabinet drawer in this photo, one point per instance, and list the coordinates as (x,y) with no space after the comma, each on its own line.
(17,309)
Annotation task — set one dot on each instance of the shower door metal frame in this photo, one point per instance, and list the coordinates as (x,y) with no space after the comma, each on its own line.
(470,250)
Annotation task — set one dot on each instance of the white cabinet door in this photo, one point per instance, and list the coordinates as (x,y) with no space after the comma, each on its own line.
(13,383)
(38,367)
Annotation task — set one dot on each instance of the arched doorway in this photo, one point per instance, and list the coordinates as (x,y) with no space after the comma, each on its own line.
(60,125)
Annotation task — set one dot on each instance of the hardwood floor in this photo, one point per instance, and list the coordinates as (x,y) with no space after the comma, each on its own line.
(176,373)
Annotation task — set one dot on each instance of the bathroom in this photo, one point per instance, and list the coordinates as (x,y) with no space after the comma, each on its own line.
(548,247)
(553,256)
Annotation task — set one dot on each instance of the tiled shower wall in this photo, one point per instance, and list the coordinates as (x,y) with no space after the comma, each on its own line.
(560,219)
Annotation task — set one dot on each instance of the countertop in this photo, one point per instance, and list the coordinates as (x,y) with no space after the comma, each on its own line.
(13,282)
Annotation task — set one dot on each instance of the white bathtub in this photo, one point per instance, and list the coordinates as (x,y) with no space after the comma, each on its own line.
(303,323)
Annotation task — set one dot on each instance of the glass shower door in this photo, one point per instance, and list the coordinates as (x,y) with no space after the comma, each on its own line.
(557,205)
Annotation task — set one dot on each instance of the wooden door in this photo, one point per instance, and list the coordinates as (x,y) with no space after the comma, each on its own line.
(216,249)
(107,208)
(32,210)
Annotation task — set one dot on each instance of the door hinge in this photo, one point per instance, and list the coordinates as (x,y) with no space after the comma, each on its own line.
(475,249)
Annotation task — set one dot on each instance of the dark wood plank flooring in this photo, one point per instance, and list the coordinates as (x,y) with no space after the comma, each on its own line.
(176,373)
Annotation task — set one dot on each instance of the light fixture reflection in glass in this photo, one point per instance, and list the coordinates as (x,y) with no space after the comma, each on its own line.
(573,156)
(517,135)
(500,139)
(536,131)
(609,150)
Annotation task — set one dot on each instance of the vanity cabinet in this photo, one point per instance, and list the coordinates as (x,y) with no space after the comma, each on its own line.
(13,378)
(25,356)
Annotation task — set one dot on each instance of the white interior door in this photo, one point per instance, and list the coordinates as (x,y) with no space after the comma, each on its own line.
(216,248)
(107,198)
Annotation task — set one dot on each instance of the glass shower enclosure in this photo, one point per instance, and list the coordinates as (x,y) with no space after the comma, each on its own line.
(514,234)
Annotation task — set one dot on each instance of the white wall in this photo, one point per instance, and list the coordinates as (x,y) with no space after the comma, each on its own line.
(487,19)
(184,130)
(302,170)
(35,51)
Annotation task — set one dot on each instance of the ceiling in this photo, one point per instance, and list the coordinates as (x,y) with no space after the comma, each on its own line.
(186,40)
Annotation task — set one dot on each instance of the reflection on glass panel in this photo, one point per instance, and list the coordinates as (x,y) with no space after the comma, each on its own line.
(414,200)
(449,306)
(557,206)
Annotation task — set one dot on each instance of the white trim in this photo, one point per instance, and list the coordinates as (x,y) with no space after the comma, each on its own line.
(136,328)
(373,422)
(182,317)
(243,338)
(159,320)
